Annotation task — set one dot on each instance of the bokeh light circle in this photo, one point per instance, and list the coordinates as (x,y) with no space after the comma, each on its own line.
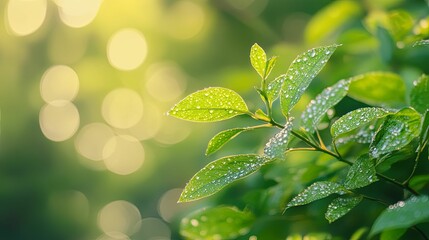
(120,217)
(78,13)
(165,82)
(25,16)
(185,19)
(153,228)
(59,83)
(122,108)
(127,49)
(59,120)
(168,206)
(113,236)
(123,154)
(91,140)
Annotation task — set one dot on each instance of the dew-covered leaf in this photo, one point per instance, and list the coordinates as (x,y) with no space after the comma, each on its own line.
(216,223)
(363,135)
(318,107)
(420,94)
(362,173)
(218,174)
(397,131)
(270,65)
(222,138)
(277,145)
(300,73)
(378,89)
(403,214)
(209,105)
(258,59)
(316,191)
(421,43)
(341,206)
(274,88)
(356,119)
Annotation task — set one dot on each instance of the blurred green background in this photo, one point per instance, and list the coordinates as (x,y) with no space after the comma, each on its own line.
(86,149)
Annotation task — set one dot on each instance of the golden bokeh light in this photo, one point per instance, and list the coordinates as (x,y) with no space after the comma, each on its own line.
(119,217)
(78,13)
(168,206)
(25,16)
(122,108)
(148,126)
(59,82)
(171,133)
(59,120)
(127,49)
(123,154)
(91,140)
(185,19)
(153,229)
(165,82)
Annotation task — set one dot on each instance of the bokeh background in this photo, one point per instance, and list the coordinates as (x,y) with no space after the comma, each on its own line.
(86,149)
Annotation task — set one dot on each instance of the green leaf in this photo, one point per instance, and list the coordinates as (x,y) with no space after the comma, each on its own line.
(397,131)
(362,173)
(421,43)
(420,94)
(262,115)
(418,182)
(270,65)
(258,59)
(218,174)
(341,206)
(222,138)
(324,23)
(277,145)
(274,88)
(363,135)
(209,105)
(356,119)
(359,233)
(216,223)
(378,89)
(316,191)
(424,135)
(403,214)
(394,234)
(300,73)
(318,107)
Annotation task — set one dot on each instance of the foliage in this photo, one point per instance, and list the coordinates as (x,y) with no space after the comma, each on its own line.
(362,149)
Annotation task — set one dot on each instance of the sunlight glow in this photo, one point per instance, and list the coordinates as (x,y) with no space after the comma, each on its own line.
(148,126)
(123,154)
(168,206)
(91,140)
(165,82)
(59,120)
(25,16)
(59,83)
(153,228)
(127,49)
(78,13)
(119,217)
(185,20)
(122,108)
